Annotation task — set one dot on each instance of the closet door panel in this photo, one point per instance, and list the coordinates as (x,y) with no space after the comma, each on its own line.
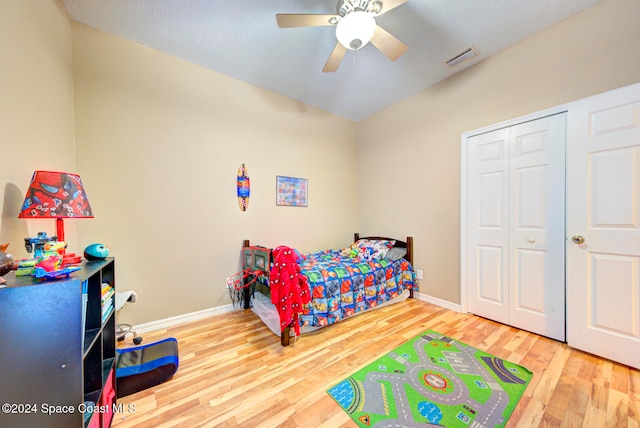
(536,232)
(487,255)
(490,281)
(529,276)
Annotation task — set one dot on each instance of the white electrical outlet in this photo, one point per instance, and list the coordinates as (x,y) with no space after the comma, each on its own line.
(419,274)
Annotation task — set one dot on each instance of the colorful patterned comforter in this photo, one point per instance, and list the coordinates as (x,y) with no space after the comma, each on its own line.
(343,286)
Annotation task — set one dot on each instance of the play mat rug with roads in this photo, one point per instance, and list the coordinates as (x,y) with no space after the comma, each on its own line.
(433,380)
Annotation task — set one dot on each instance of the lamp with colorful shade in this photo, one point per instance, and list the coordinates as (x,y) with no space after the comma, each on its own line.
(57,195)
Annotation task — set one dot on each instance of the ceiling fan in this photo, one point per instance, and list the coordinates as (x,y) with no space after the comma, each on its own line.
(355,27)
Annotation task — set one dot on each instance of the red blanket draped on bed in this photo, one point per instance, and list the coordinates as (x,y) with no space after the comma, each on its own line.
(289,289)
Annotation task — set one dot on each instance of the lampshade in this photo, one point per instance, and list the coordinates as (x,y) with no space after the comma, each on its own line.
(355,29)
(56,195)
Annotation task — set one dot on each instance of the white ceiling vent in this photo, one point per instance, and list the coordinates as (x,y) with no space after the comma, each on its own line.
(463,56)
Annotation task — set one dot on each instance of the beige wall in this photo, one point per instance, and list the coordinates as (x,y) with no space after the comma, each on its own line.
(36,110)
(159,142)
(592,52)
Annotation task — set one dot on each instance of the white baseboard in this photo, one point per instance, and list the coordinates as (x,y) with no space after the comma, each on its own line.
(438,302)
(181,319)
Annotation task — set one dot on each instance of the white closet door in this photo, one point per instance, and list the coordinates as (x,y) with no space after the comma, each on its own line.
(488,225)
(603,216)
(515,214)
(536,226)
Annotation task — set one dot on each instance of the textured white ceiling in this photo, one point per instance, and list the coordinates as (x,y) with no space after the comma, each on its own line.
(240,38)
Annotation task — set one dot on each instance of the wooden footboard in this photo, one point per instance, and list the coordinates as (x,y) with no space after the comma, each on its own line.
(285,336)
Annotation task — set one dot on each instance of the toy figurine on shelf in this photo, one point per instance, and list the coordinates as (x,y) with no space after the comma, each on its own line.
(49,263)
(36,245)
(50,258)
(51,267)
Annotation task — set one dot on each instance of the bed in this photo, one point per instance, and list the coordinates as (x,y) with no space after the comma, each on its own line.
(372,272)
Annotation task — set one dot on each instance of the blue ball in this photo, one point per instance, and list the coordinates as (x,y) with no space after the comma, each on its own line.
(96,252)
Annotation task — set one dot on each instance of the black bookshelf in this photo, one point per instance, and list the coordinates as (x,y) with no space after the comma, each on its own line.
(57,349)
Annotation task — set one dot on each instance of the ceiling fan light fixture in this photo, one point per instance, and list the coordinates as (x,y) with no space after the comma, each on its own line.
(356,29)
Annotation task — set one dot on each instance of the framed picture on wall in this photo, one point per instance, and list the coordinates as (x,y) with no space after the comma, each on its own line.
(291,191)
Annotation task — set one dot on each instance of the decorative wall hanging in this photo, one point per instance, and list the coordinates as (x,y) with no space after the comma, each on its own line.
(244,187)
(291,191)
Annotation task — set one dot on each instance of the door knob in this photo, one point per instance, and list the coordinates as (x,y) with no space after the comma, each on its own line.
(578,239)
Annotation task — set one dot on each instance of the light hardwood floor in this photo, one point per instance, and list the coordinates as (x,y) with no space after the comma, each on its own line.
(234,373)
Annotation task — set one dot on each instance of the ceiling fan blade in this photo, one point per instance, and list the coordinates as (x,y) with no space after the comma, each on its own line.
(388,44)
(387,5)
(335,58)
(286,20)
